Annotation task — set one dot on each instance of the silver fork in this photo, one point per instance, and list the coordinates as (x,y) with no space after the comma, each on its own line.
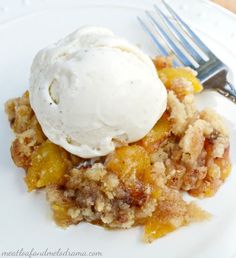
(188,48)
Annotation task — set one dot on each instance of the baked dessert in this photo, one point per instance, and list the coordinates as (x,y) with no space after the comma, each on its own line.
(137,183)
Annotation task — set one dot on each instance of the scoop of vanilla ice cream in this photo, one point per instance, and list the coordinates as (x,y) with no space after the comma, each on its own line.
(93,89)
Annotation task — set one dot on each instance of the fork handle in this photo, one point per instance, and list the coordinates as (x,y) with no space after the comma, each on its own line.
(228,91)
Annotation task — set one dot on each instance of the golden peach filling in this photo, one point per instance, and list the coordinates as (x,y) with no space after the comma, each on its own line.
(172,77)
(130,161)
(49,164)
(140,183)
(158,133)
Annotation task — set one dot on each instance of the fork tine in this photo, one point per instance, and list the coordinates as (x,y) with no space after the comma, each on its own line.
(180,33)
(195,38)
(162,50)
(169,41)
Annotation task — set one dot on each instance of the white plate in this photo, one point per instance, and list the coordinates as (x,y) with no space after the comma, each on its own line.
(25,219)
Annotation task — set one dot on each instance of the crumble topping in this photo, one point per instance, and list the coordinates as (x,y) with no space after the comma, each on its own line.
(140,183)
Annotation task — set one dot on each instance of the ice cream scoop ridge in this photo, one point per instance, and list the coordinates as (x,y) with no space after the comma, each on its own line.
(93,89)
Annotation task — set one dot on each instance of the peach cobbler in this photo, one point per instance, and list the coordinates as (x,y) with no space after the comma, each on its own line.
(139,182)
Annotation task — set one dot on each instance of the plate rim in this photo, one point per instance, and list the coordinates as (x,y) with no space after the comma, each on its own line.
(201,1)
